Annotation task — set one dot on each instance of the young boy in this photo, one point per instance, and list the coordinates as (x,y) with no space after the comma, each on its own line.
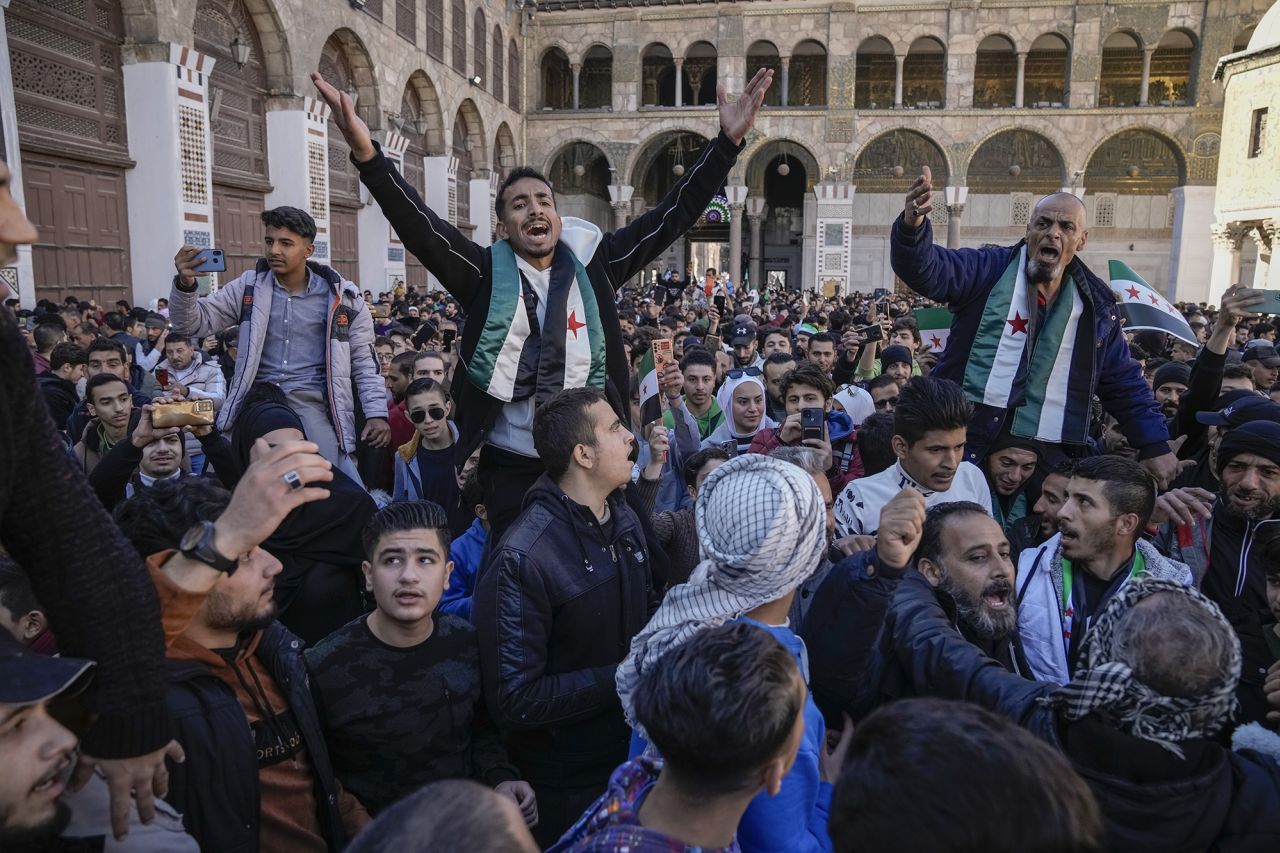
(808,387)
(467,551)
(424,465)
(398,691)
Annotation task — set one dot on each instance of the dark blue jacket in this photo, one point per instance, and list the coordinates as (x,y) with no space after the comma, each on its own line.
(466,552)
(216,788)
(961,280)
(1213,799)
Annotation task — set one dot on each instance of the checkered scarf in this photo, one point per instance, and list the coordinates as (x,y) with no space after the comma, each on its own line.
(1108,687)
(761,532)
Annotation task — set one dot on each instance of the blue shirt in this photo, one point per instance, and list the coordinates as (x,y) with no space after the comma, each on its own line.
(293,353)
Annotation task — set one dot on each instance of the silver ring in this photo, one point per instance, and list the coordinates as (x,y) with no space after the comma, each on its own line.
(915,209)
(292,480)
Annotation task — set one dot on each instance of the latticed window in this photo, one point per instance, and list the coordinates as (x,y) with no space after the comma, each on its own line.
(435,29)
(407,20)
(497,63)
(459,26)
(478,32)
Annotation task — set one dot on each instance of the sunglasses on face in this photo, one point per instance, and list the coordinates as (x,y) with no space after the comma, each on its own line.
(739,372)
(886,402)
(436,413)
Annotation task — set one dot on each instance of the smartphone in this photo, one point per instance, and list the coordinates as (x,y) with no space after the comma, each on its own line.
(185,413)
(730,447)
(873,333)
(719,301)
(811,423)
(380,312)
(713,343)
(211,260)
(448,336)
(1269,305)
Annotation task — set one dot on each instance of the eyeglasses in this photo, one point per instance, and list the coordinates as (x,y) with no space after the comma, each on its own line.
(436,413)
(886,402)
(739,372)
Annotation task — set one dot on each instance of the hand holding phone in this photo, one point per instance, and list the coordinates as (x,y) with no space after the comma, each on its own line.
(210,260)
(811,423)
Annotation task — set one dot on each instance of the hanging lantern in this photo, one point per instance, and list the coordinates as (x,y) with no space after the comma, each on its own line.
(678,170)
(1015,170)
(898,171)
(1134,171)
(579,170)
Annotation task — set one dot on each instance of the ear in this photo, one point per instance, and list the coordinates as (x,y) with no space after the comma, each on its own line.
(501,230)
(774,772)
(899,445)
(932,572)
(482,512)
(1084,238)
(367,568)
(448,571)
(311,247)
(33,625)
(826,407)
(584,456)
(1127,524)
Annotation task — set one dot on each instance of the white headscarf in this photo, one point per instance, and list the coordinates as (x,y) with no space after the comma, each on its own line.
(724,397)
(761,534)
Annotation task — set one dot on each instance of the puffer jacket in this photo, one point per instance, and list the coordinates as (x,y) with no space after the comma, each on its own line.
(1040,614)
(1213,799)
(352,367)
(556,608)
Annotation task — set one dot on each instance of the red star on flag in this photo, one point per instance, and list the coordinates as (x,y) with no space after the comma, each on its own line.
(936,342)
(1133,292)
(575,324)
(1155,300)
(1019,323)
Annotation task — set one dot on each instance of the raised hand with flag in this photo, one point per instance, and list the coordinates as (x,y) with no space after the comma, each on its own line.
(1143,308)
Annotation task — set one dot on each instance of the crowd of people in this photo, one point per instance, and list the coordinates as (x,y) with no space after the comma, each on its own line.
(568,552)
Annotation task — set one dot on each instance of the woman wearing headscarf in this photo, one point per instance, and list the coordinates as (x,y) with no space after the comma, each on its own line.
(742,399)
(319,589)
(761,532)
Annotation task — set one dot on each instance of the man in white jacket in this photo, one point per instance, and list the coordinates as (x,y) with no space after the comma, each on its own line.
(929,428)
(188,375)
(1065,583)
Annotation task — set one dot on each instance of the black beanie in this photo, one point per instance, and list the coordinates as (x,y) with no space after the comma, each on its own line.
(1258,437)
(1171,372)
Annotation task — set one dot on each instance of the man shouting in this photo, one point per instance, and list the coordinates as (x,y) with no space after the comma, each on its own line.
(540,301)
(1036,334)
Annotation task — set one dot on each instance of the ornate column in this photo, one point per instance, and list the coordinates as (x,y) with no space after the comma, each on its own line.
(832,251)
(679,61)
(736,195)
(755,208)
(1264,235)
(166,103)
(577,78)
(786,81)
(1146,75)
(899,59)
(1022,79)
(620,199)
(955,199)
(1225,271)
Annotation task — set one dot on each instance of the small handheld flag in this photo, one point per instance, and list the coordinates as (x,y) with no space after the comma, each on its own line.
(1143,308)
(935,327)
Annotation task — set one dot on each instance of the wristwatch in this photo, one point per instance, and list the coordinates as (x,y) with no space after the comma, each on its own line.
(197,544)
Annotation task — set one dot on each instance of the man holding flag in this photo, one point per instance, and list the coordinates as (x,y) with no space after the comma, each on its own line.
(541,299)
(1035,334)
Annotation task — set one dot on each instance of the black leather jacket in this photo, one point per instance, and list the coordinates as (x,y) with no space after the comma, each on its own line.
(556,608)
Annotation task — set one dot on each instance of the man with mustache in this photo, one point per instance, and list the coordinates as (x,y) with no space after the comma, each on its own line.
(540,300)
(960,556)
(1067,581)
(1035,335)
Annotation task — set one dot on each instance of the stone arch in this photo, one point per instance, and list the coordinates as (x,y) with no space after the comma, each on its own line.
(636,161)
(1173,68)
(271,48)
(580,169)
(995,71)
(700,74)
(344,54)
(875,73)
(762,155)
(808,74)
(1120,72)
(764,54)
(657,75)
(425,125)
(480,46)
(1048,71)
(1016,160)
(924,73)
(1140,160)
(596,78)
(662,151)
(498,62)
(556,78)
(505,156)
(473,130)
(886,162)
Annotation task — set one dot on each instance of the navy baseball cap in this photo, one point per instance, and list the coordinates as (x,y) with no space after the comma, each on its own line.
(1244,410)
(27,678)
(743,334)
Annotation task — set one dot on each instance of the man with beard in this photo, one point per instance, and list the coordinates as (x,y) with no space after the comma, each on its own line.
(1035,333)
(1170,383)
(257,774)
(961,556)
(1067,581)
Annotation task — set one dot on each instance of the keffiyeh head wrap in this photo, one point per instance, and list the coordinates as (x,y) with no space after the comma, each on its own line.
(761,533)
(1108,687)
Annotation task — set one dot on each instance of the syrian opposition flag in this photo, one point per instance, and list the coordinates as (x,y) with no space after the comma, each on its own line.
(1143,308)
(650,400)
(935,328)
